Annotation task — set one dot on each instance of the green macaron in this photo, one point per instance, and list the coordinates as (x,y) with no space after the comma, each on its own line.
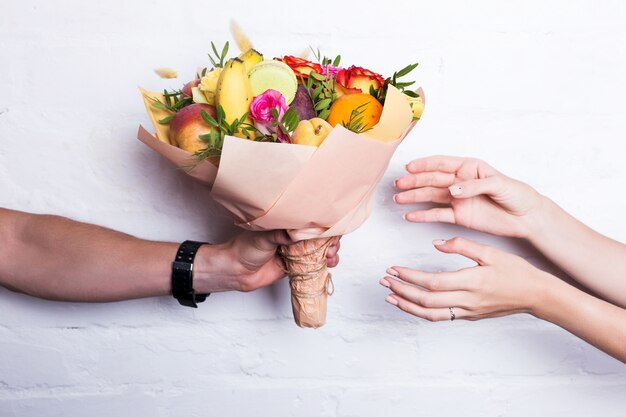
(275,75)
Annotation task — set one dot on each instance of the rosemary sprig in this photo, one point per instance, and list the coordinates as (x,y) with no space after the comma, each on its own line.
(321,90)
(381,93)
(173,101)
(219,58)
(324,60)
(289,121)
(220,128)
(355,123)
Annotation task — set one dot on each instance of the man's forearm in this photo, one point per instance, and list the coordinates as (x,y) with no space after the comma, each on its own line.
(60,259)
(594,260)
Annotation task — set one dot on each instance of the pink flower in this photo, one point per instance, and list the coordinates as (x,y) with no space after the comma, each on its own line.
(261,106)
(261,112)
(330,71)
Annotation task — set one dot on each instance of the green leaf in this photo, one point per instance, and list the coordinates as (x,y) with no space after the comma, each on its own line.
(404,71)
(221,115)
(208,119)
(317,91)
(225,51)
(160,105)
(166,120)
(402,86)
(214,49)
(317,76)
(322,104)
(337,61)
(411,93)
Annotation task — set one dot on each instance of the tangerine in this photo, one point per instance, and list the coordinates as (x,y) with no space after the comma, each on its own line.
(348,109)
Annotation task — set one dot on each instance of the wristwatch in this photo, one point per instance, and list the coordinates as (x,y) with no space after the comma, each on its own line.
(182,275)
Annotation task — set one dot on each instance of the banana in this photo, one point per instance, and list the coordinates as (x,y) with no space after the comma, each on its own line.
(250,58)
(233,92)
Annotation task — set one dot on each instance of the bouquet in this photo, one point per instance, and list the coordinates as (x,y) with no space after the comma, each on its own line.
(287,143)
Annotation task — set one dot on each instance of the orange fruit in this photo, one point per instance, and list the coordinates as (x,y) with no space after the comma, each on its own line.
(341,112)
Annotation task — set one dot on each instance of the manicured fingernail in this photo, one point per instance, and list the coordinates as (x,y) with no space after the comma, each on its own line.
(385,283)
(455,190)
(395,198)
(391,300)
(395,183)
(439,242)
(405,216)
(392,272)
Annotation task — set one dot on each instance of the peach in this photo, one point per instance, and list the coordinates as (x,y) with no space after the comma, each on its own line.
(311,132)
(187,125)
(187,87)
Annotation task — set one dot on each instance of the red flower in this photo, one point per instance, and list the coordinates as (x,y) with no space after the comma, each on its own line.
(358,80)
(301,66)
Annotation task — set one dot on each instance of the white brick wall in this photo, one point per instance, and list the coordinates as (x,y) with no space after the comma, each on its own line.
(536,89)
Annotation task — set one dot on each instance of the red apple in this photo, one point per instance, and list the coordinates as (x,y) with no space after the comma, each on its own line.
(187,88)
(187,125)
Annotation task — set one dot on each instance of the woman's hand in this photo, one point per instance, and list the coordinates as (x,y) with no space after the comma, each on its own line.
(250,261)
(501,284)
(476,195)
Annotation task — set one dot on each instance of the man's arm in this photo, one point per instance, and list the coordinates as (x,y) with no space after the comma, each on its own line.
(59,259)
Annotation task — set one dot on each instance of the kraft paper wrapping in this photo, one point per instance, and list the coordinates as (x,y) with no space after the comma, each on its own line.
(311,192)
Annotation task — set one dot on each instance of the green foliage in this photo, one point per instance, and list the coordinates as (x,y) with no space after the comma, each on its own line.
(218,58)
(173,101)
(381,93)
(321,90)
(355,123)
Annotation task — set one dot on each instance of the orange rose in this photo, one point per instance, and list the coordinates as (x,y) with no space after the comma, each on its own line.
(357,80)
(301,66)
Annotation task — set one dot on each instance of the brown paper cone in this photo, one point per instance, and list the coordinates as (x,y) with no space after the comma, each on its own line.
(309,279)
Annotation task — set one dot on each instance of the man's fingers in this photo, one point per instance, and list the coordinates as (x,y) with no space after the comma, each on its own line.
(482,254)
(425,179)
(440,215)
(269,240)
(423,195)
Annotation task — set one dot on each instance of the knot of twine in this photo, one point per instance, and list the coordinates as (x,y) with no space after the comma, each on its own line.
(295,277)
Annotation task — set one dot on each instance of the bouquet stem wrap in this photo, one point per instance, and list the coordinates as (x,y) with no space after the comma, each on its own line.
(309,280)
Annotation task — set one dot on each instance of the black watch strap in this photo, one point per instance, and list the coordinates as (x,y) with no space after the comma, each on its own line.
(182,275)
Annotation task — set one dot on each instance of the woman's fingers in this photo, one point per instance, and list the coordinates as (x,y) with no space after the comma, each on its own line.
(423,195)
(442,163)
(432,281)
(430,314)
(492,186)
(429,299)
(425,179)
(435,215)
(481,254)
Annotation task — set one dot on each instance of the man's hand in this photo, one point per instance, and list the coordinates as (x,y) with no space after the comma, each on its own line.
(248,262)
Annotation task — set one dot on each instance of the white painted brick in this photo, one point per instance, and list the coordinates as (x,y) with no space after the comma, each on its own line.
(534,88)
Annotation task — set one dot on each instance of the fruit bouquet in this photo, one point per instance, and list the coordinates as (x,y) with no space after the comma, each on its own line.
(287,143)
